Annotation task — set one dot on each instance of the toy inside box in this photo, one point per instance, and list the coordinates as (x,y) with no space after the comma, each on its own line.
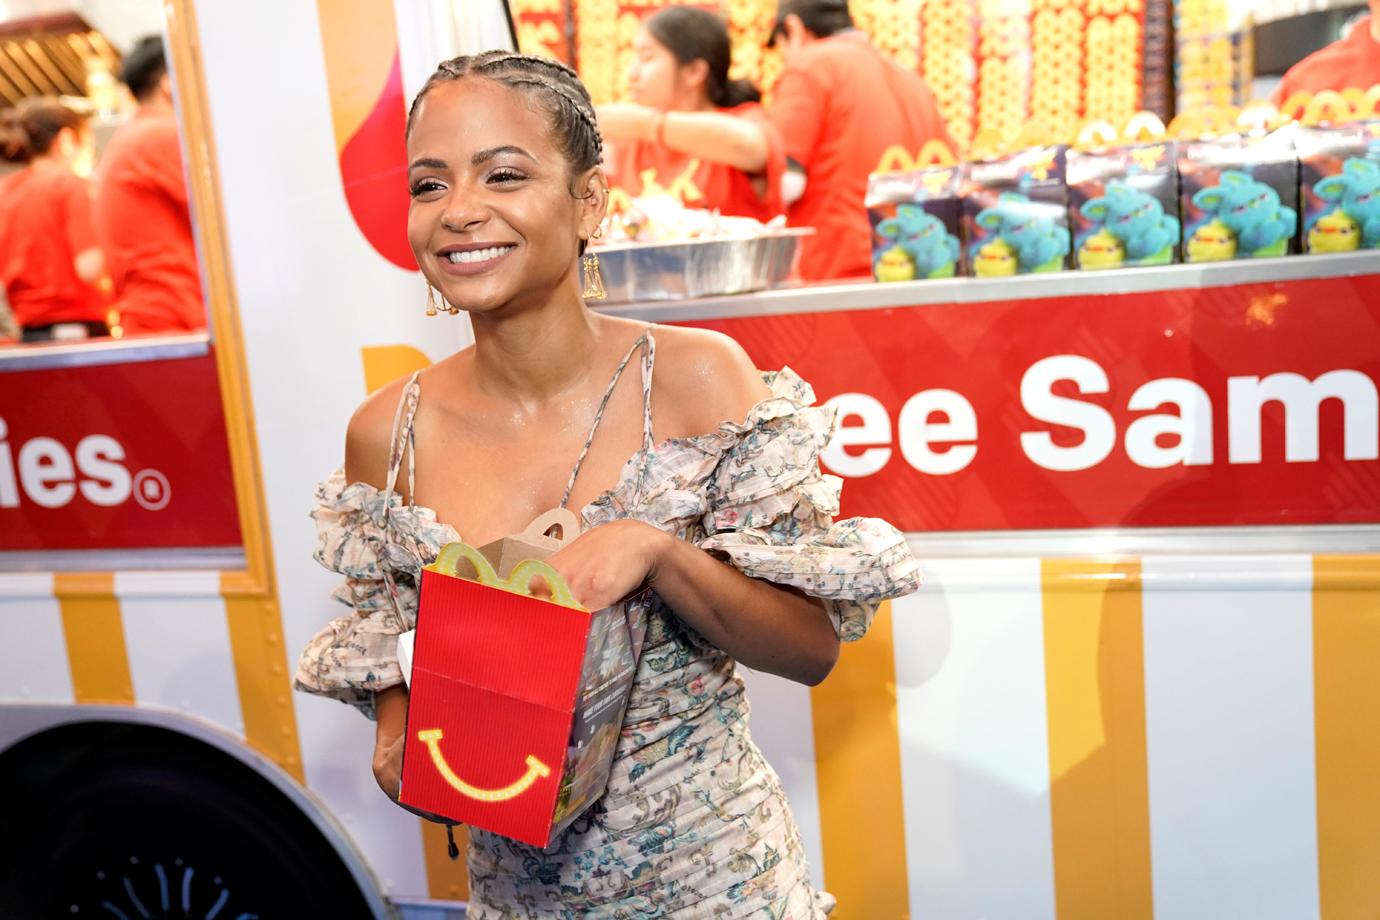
(516,702)
(1339,180)
(1239,197)
(915,217)
(1124,206)
(1015,213)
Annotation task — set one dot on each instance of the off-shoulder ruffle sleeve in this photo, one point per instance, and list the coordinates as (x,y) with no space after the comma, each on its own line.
(771,512)
(380,547)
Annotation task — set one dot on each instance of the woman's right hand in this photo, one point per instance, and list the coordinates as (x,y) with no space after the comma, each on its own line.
(391,709)
(388,765)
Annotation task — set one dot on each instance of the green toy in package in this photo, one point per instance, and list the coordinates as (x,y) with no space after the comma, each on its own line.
(1239,197)
(1124,206)
(915,224)
(1015,213)
(1339,178)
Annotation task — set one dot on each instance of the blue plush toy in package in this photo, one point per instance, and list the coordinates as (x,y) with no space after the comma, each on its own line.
(1239,197)
(1339,179)
(915,224)
(1015,213)
(1124,206)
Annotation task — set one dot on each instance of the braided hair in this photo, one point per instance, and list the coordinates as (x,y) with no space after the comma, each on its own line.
(555,85)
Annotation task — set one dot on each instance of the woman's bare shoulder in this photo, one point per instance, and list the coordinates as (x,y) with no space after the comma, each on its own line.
(368,439)
(705,378)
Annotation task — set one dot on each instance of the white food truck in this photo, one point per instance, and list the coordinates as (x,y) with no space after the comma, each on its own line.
(1140,680)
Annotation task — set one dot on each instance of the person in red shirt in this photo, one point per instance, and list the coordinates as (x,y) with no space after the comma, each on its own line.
(1353,61)
(691,131)
(141,207)
(51,266)
(840,104)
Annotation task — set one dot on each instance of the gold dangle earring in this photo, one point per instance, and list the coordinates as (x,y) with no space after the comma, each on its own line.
(594,277)
(431,306)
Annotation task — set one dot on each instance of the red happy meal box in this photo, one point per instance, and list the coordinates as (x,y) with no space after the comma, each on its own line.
(516,701)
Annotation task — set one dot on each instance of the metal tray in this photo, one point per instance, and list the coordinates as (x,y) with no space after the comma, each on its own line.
(698,268)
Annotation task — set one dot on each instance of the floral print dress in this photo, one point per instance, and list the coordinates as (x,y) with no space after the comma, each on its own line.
(694,822)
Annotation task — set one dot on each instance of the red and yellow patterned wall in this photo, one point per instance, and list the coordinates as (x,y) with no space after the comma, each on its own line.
(993,64)
(541,27)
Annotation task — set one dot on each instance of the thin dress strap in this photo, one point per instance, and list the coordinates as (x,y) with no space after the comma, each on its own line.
(645,343)
(404,440)
(648,362)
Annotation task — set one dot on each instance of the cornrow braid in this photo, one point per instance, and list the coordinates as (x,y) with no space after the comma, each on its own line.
(570,85)
(581,112)
(566,100)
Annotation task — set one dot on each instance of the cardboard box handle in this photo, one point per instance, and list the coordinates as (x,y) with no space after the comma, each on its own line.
(557,518)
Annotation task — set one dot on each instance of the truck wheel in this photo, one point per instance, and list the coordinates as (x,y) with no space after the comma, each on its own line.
(140,833)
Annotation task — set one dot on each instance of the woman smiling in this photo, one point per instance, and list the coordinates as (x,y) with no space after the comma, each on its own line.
(700,480)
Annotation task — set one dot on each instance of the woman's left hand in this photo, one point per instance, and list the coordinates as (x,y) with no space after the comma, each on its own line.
(626,121)
(606,564)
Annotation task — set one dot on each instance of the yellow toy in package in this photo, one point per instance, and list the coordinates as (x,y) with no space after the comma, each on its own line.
(915,223)
(1015,213)
(1124,206)
(1239,197)
(1339,178)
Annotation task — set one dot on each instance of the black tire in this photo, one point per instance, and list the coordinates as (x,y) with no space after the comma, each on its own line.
(162,827)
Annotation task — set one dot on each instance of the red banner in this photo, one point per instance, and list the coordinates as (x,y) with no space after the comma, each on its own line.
(115,456)
(1249,404)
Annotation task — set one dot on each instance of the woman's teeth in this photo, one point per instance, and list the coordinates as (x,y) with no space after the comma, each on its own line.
(478,255)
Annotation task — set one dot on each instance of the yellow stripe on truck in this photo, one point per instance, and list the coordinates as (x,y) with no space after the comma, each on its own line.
(858,769)
(95,636)
(446,878)
(1095,697)
(261,674)
(1346,701)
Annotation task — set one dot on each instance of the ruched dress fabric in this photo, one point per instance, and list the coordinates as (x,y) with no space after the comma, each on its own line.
(694,822)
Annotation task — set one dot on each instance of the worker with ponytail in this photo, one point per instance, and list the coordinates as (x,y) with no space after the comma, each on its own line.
(51,266)
(691,131)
